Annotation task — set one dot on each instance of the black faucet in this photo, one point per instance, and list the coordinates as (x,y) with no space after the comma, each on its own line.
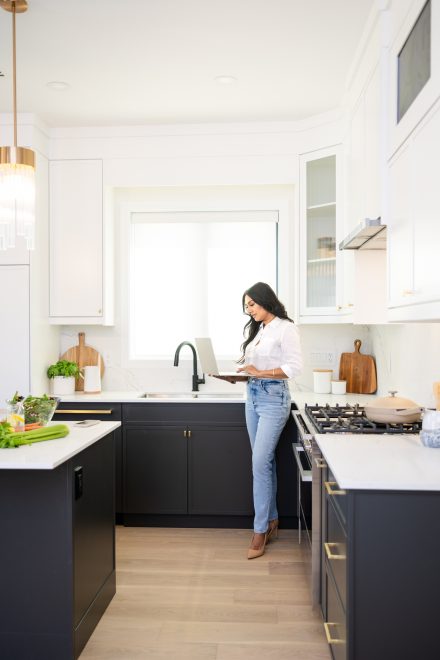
(196,381)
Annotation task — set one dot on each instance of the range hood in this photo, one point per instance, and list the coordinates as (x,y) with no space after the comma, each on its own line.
(370,234)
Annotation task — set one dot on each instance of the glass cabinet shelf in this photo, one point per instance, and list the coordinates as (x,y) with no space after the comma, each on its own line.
(319,223)
(321,260)
(321,206)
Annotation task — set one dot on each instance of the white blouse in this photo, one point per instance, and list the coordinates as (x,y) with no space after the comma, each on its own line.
(276,345)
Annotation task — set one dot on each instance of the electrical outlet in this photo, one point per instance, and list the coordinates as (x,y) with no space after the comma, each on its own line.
(322,358)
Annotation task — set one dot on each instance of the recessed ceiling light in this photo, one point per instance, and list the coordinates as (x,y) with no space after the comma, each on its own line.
(225,80)
(58,85)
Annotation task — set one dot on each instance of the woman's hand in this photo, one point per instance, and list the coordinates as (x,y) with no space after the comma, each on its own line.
(250,369)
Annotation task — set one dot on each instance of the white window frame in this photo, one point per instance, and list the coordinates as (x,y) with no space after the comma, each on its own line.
(281,202)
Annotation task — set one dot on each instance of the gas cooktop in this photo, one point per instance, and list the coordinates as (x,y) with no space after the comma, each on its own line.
(351,419)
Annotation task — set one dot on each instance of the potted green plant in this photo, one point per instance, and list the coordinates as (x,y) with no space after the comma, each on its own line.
(62,376)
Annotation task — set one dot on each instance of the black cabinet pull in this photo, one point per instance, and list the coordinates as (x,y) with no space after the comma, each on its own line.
(78,481)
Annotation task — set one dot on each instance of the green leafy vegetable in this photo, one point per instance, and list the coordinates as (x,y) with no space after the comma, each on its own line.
(39,409)
(63,368)
(15,399)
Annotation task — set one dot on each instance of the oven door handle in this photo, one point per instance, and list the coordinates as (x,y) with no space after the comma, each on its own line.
(301,425)
(306,475)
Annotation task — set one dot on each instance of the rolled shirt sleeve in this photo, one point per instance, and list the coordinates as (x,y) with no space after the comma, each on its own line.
(291,355)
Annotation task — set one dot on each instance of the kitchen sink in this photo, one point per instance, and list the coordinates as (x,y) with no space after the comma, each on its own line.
(190,395)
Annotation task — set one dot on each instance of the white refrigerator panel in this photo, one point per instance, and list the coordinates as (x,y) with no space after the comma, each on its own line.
(14,332)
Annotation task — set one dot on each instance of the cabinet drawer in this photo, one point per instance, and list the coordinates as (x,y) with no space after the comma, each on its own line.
(107,412)
(186,413)
(335,547)
(335,626)
(338,496)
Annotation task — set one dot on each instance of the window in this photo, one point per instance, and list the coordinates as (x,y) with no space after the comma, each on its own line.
(188,272)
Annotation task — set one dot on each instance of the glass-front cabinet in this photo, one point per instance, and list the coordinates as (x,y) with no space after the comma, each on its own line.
(320,264)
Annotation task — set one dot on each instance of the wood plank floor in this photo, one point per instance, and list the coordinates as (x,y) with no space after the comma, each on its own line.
(191,594)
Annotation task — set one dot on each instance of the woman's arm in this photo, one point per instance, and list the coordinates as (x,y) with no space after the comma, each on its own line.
(266,373)
(291,351)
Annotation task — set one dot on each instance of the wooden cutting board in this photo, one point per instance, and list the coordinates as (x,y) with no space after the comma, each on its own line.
(358,370)
(84,356)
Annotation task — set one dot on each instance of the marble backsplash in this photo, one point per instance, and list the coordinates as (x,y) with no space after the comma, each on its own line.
(407,358)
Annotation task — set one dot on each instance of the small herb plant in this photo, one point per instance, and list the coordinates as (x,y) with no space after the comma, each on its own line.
(63,368)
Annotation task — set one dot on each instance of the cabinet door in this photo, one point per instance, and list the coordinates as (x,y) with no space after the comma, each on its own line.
(76,241)
(14,331)
(400,240)
(155,470)
(319,225)
(220,471)
(93,522)
(425,210)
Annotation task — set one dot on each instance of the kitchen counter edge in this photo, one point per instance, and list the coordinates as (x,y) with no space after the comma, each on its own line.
(50,454)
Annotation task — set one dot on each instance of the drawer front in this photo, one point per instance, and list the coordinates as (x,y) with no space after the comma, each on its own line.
(338,496)
(335,547)
(166,413)
(107,412)
(335,626)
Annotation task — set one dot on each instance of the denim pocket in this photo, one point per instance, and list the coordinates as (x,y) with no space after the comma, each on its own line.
(273,387)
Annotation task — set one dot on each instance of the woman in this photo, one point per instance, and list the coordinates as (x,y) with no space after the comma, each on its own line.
(271,355)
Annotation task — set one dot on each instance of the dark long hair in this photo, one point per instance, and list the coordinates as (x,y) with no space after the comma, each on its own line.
(265,296)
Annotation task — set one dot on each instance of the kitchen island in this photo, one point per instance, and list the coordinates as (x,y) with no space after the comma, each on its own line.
(57,553)
(380,544)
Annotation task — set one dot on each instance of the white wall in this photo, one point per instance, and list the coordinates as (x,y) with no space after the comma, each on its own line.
(408,359)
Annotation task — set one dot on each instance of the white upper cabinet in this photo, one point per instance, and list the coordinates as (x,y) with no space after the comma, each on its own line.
(414,228)
(364,272)
(77,287)
(319,230)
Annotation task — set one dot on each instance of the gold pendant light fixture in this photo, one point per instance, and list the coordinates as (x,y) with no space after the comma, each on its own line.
(17,168)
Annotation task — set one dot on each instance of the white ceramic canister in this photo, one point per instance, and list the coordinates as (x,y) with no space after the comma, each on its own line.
(92,379)
(339,386)
(322,379)
(62,385)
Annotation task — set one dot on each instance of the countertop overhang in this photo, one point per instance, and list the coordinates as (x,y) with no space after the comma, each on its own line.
(50,454)
(381,462)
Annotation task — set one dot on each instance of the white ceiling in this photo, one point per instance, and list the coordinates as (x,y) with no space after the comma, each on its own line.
(155,61)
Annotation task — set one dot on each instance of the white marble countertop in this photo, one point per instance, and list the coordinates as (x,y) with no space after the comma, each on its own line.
(381,462)
(140,397)
(300,398)
(49,454)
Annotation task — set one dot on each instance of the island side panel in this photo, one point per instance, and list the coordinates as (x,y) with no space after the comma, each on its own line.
(36,597)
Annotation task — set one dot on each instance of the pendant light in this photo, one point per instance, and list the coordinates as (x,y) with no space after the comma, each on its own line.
(17,169)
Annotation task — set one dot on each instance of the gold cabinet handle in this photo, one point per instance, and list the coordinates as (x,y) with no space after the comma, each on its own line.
(328,634)
(320,463)
(329,553)
(189,433)
(83,412)
(185,433)
(408,292)
(329,488)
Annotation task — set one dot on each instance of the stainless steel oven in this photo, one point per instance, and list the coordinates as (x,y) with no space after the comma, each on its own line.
(302,451)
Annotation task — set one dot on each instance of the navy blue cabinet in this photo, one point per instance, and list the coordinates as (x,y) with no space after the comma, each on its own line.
(190,464)
(57,555)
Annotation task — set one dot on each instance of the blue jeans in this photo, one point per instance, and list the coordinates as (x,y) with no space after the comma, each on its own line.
(267,411)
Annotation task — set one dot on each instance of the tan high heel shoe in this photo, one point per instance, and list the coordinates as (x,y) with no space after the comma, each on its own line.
(272,532)
(253,553)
